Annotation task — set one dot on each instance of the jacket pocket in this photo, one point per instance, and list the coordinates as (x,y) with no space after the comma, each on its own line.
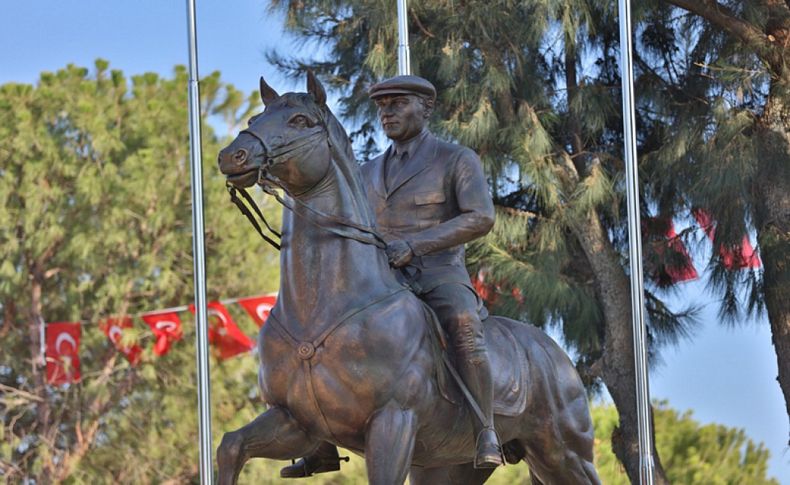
(426,198)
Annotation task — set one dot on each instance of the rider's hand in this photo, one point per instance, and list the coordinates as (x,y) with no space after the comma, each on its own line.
(399,253)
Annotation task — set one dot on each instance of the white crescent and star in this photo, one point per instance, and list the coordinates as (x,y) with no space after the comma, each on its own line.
(262,310)
(115,334)
(166,325)
(216,313)
(65,337)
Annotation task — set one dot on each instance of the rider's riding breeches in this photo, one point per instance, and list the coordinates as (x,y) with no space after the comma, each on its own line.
(457,308)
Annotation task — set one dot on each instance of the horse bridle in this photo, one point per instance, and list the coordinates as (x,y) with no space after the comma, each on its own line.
(337,225)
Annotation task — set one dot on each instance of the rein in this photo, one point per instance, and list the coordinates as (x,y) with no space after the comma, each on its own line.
(246,211)
(366,235)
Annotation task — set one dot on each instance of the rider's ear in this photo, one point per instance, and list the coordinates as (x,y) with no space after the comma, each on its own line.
(315,88)
(267,93)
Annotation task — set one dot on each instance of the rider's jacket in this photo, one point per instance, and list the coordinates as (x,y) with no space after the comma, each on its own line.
(437,201)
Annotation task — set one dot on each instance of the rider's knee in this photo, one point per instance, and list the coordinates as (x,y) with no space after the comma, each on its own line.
(469,338)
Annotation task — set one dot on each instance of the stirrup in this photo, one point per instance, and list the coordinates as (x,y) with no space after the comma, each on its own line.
(488,458)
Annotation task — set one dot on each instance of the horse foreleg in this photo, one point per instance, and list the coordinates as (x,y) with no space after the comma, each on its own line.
(389,443)
(274,434)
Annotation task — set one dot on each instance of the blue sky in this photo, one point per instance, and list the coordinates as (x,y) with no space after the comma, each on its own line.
(724,375)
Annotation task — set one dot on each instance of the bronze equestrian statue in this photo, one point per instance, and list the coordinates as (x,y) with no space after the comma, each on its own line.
(349,356)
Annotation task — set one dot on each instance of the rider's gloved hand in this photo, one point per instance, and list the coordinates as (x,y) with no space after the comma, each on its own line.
(399,253)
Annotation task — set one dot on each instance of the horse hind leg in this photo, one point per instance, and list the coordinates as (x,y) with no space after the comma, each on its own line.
(465,474)
(274,434)
(560,466)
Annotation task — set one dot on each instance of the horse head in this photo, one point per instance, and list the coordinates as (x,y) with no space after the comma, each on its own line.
(294,144)
(287,145)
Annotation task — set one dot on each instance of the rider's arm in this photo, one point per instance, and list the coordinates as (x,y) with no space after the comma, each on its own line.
(476,208)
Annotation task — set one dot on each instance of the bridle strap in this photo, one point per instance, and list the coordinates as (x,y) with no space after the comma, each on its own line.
(328,222)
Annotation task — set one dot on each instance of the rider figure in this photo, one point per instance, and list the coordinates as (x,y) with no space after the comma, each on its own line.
(430,197)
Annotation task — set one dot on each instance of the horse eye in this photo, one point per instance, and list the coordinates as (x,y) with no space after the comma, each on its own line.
(301,121)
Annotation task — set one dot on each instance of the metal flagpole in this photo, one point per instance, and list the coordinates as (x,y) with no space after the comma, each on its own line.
(646,463)
(404,65)
(199,255)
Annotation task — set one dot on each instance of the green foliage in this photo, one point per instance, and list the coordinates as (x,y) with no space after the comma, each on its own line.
(95,220)
(691,453)
(714,123)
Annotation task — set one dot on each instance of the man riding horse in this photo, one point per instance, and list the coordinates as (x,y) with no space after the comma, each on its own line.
(430,198)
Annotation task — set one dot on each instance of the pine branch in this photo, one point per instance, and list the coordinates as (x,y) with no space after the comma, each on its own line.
(776,5)
(421,26)
(726,19)
(517,212)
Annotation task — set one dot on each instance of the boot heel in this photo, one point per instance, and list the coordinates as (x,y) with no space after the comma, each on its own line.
(488,452)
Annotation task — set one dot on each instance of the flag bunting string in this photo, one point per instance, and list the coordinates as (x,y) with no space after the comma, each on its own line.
(60,341)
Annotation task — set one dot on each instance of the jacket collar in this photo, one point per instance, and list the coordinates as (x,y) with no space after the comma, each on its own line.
(424,153)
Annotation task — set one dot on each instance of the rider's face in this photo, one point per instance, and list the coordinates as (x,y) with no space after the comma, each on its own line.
(402,116)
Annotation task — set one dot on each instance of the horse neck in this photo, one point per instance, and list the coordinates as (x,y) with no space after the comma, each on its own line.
(322,274)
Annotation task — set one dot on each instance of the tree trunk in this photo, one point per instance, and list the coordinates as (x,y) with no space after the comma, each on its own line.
(775,247)
(613,293)
(612,290)
(39,369)
(772,220)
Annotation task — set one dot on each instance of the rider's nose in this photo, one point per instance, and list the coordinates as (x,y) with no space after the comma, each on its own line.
(240,156)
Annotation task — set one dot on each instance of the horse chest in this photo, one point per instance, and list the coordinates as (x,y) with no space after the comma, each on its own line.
(332,388)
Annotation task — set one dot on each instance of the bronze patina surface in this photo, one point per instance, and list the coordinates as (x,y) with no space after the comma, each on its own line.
(350,357)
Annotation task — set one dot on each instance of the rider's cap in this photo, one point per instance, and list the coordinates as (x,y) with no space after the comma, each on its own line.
(403,85)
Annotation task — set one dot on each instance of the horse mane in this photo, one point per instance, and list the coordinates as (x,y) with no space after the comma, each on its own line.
(344,159)
(341,150)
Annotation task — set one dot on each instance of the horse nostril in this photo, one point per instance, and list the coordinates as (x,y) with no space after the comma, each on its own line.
(240,156)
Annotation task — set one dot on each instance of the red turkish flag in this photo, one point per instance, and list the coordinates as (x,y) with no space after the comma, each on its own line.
(223,332)
(258,307)
(674,263)
(62,354)
(113,329)
(166,327)
(739,257)
(485,290)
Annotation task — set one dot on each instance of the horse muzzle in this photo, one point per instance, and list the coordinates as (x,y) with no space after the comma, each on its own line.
(239,168)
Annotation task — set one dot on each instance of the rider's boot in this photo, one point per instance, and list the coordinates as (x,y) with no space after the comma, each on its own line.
(324,459)
(476,373)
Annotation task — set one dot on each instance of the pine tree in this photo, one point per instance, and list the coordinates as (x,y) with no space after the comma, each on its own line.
(716,121)
(534,88)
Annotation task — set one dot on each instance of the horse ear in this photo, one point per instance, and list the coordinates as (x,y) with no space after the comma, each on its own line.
(315,88)
(267,93)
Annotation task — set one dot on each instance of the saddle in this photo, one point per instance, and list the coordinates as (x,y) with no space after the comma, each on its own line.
(505,355)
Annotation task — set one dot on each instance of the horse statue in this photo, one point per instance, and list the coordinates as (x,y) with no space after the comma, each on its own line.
(350,356)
